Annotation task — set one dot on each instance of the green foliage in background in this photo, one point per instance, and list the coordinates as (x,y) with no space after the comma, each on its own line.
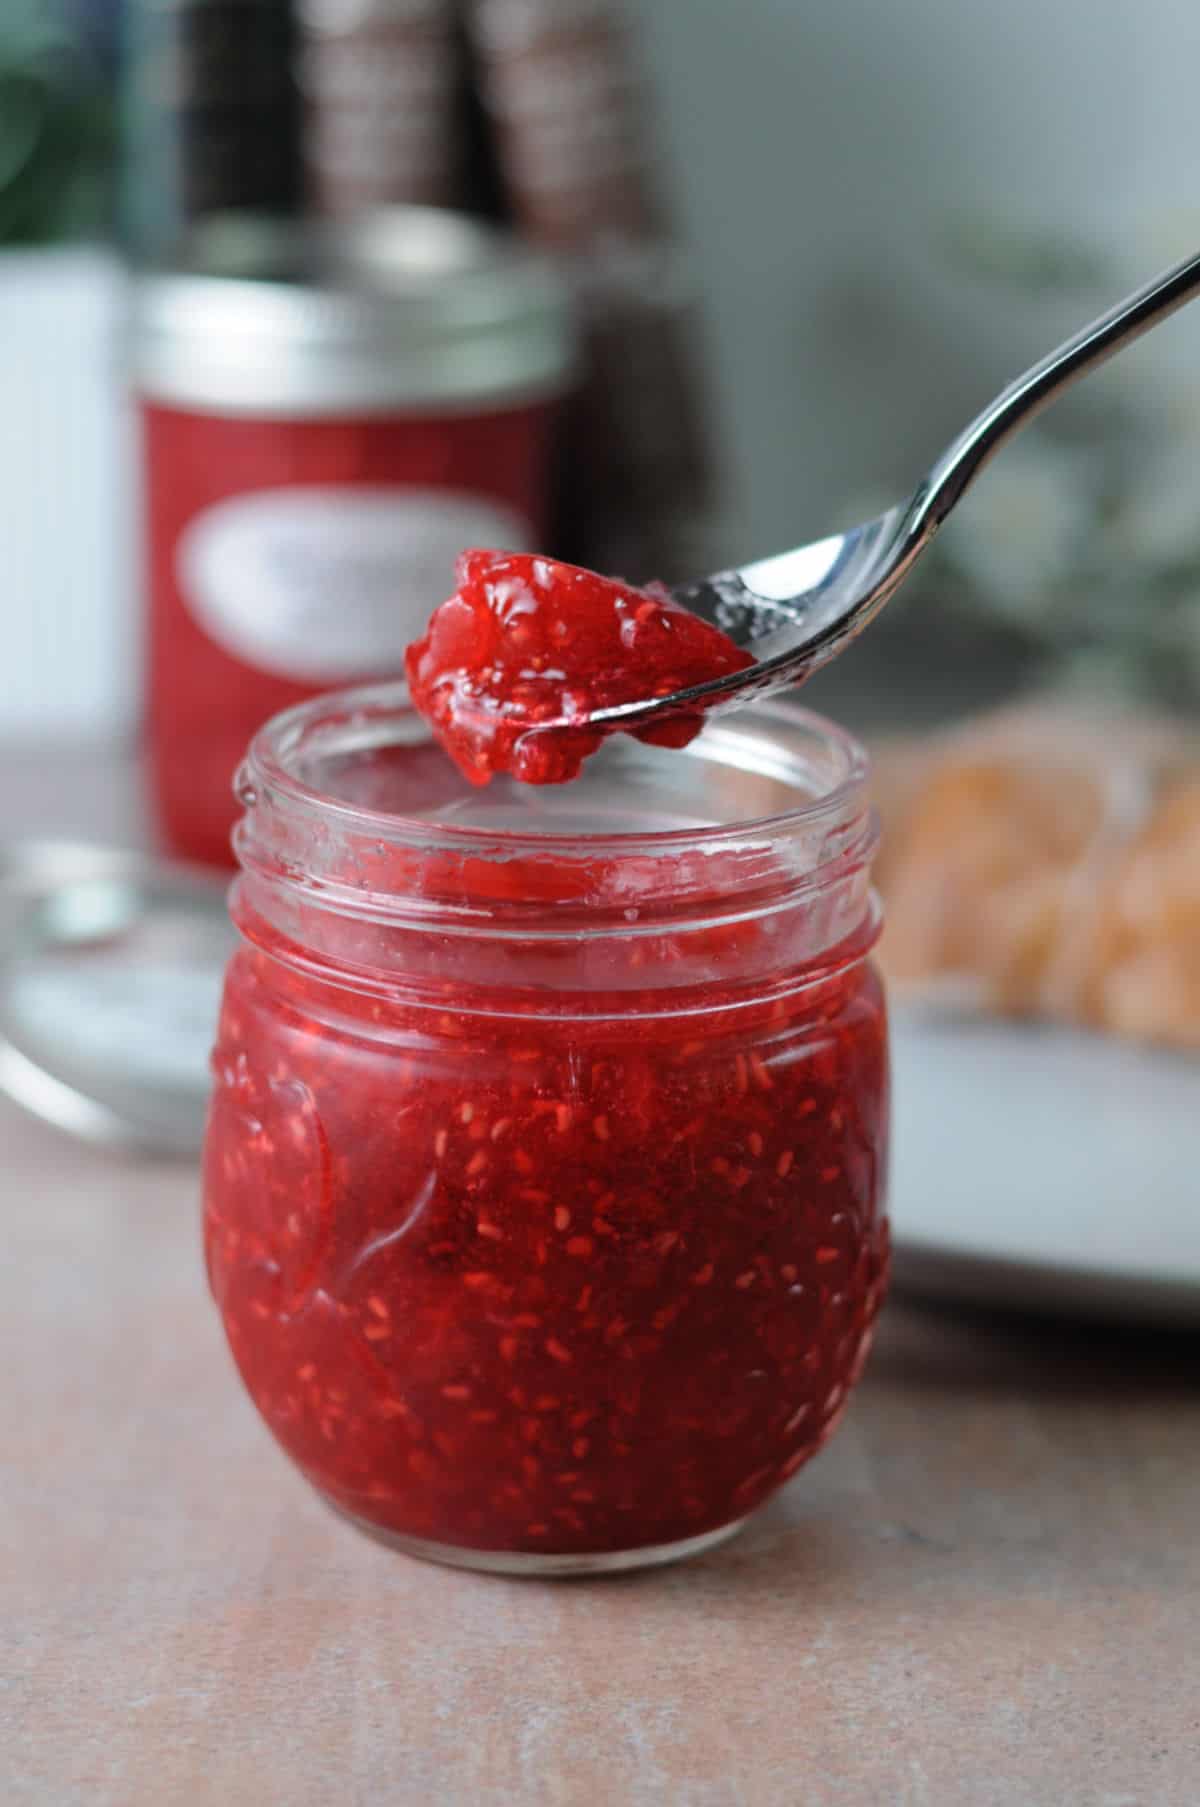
(57,131)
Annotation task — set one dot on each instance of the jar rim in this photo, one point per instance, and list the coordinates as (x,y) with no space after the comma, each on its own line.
(784,891)
(269,768)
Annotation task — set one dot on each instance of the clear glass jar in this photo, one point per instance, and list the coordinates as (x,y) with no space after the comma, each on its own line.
(544,1176)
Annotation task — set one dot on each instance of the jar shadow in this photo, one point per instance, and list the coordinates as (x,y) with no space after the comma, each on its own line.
(777,1550)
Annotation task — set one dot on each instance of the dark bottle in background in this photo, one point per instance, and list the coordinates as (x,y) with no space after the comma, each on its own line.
(571,114)
(562,85)
(211,113)
(379,83)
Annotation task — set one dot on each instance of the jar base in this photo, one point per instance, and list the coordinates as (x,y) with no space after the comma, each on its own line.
(546,1567)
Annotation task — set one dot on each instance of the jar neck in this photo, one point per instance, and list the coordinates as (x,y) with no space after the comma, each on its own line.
(376,900)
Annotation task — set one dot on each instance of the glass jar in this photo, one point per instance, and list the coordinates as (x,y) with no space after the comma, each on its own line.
(545,1167)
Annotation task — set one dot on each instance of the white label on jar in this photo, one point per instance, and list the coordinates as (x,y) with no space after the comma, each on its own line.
(319,584)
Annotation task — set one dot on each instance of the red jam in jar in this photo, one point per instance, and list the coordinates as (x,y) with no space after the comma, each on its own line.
(544,1176)
(526,642)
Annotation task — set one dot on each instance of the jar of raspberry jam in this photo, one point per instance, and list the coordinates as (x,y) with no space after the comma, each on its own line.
(329,411)
(545,1167)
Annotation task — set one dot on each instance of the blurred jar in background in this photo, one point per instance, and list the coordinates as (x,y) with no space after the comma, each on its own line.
(329,414)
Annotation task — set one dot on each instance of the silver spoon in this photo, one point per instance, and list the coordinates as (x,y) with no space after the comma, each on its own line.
(799,610)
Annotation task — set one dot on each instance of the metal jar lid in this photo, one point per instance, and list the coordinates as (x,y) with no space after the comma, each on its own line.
(401,309)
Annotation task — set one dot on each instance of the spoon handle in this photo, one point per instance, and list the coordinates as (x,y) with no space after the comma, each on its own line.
(1024,398)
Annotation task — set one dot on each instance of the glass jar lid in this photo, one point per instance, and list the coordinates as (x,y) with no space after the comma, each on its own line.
(110,976)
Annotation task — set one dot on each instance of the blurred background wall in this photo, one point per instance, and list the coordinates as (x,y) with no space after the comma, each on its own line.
(824,155)
(823,158)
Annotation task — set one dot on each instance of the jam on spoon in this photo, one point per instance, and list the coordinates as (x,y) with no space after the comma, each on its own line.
(528,648)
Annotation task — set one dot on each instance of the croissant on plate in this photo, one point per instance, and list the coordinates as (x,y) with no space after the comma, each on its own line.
(1051,862)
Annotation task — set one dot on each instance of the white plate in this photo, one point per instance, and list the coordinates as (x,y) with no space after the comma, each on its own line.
(1045,1168)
